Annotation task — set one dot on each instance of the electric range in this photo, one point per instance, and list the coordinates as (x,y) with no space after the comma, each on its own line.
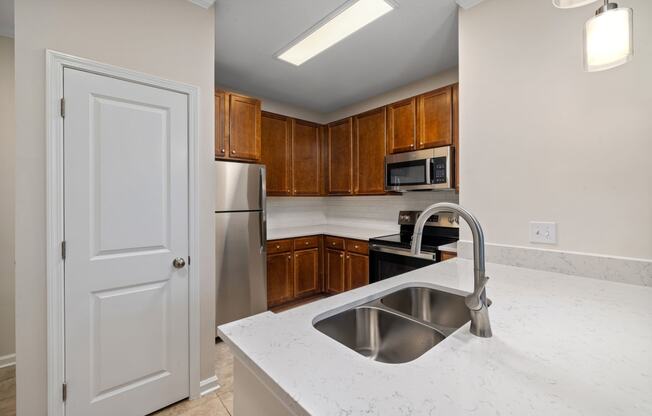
(390,255)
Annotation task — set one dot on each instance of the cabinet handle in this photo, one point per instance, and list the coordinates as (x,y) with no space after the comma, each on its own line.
(333,243)
(277,246)
(348,257)
(412,145)
(341,255)
(289,257)
(222,150)
(355,246)
(307,242)
(232,151)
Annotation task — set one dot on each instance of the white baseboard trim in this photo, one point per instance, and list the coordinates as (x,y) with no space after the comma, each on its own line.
(7,360)
(612,268)
(208,385)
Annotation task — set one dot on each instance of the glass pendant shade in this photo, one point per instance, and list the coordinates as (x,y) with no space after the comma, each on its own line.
(569,4)
(608,39)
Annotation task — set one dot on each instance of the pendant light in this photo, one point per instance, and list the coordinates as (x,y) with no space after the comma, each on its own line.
(608,38)
(570,4)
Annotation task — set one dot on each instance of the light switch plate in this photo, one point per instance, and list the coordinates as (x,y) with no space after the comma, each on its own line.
(543,232)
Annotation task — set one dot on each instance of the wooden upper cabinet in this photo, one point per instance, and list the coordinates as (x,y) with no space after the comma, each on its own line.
(306,158)
(369,152)
(220,124)
(280,287)
(435,118)
(340,157)
(244,127)
(402,126)
(335,271)
(276,152)
(306,272)
(456,133)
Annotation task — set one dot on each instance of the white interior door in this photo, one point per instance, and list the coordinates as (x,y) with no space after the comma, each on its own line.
(126,220)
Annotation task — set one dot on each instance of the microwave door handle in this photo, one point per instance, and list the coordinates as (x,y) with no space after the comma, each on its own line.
(429,165)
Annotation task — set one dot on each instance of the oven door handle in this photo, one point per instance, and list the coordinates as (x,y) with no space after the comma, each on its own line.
(402,252)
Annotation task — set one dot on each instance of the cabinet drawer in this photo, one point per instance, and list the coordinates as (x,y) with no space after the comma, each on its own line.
(306,242)
(279,246)
(357,246)
(334,243)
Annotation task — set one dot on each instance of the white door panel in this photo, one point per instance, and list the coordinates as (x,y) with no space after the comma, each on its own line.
(126,219)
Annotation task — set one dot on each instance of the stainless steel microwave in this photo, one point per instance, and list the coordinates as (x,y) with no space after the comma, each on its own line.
(421,170)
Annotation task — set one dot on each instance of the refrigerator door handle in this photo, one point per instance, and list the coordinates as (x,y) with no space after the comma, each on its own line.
(263,210)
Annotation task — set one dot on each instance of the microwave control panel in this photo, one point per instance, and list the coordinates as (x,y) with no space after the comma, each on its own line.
(438,171)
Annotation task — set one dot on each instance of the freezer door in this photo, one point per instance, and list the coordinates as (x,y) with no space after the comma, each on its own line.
(241,281)
(240,186)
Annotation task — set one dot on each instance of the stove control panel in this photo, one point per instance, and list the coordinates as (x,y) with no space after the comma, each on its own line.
(444,219)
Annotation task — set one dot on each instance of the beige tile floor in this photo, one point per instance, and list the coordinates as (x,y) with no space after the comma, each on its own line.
(218,403)
(8,391)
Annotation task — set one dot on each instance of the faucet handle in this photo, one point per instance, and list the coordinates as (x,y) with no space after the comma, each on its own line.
(474,300)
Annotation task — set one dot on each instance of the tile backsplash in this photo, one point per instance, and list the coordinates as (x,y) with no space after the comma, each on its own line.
(365,211)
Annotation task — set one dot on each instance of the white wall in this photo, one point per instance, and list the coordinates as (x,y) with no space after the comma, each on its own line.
(543,140)
(173,39)
(7,150)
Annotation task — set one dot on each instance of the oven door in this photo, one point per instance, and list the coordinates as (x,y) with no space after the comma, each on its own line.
(386,262)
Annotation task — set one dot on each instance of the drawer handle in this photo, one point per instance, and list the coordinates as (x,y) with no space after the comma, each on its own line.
(355,246)
(307,242)
(333,243)
(278,246)
(233,151)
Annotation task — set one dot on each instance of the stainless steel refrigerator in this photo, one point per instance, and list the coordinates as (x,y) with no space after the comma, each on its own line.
(240,237)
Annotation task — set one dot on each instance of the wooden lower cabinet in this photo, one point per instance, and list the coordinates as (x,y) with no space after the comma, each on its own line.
(306,272)
(357,270)
(305,266)
(445,255)
(335,272)
(280,287)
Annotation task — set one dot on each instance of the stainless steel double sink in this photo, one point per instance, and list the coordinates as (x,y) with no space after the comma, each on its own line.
(398,327)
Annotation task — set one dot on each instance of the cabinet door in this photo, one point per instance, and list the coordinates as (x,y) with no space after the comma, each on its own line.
(276,152)
(340,157)
(335,271)
(306,272)
(279,278)
(369,152)
(402,126)
(306,154)
(220,124)
(244,127)
(357,270)
(435,118)
(456,134)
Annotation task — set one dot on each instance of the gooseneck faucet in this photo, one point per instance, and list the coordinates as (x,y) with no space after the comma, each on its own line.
(476,301)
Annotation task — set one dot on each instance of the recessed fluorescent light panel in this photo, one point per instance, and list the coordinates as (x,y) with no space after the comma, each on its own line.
(351,17)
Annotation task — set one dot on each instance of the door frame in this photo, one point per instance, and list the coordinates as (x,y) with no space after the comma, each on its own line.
(55,62)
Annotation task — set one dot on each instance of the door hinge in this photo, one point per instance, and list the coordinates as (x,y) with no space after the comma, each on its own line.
(64,391)
(63,107)
(63,250)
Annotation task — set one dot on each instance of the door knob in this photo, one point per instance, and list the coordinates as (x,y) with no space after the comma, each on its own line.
(179,262)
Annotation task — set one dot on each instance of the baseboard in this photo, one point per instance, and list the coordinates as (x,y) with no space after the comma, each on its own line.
(596,266)
(7,360)
(208,385)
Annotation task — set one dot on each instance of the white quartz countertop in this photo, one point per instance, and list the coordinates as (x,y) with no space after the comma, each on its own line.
(562,345)
(358,233)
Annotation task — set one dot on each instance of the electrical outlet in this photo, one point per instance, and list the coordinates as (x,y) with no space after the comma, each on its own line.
(543,232)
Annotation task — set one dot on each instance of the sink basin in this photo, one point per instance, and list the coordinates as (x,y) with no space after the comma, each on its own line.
(445,310)
(380,335)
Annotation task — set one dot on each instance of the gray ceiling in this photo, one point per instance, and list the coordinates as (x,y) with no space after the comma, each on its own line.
(416,40)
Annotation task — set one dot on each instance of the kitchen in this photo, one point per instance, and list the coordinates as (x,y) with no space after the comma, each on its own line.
(329,208)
